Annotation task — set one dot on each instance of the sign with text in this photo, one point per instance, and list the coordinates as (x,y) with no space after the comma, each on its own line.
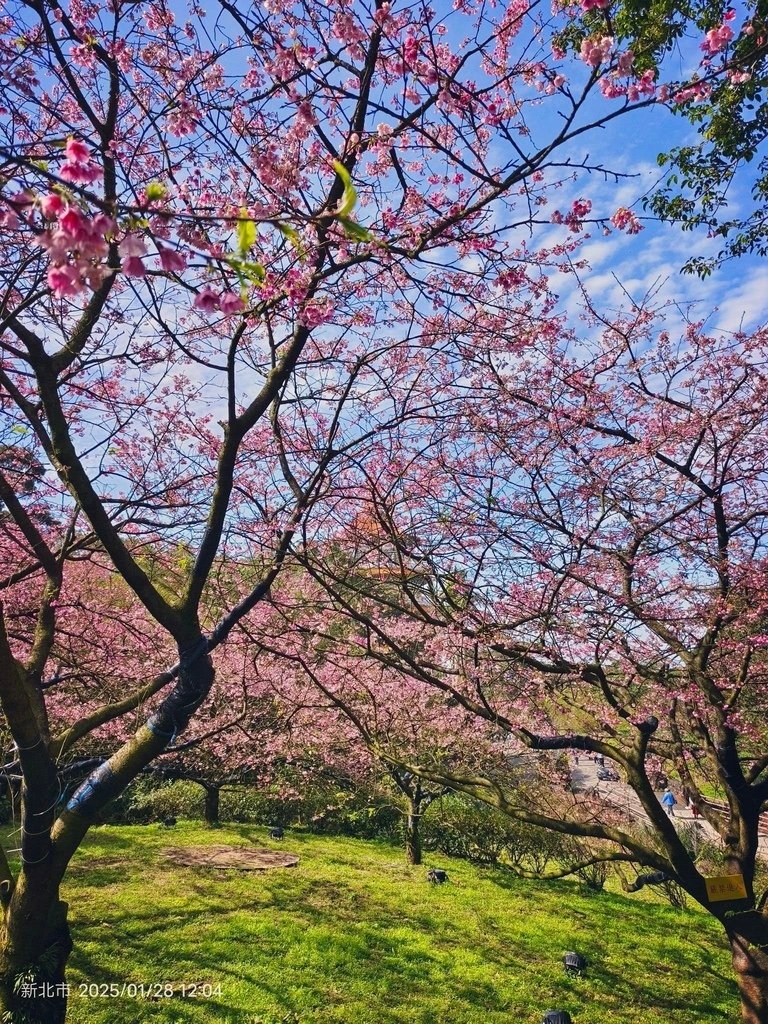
(726,887)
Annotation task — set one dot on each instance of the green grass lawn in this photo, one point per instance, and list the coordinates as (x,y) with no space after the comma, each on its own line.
(354,936)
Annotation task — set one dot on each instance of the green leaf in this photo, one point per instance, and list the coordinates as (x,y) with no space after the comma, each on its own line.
(255,272)
(246,233)
(18,428)
(349,197)
(290,233)
(354,230)
(155,191)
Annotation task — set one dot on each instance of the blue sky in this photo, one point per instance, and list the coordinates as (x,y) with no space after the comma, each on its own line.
(735,295)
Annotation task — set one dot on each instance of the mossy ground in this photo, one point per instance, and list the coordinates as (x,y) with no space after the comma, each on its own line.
(354,936)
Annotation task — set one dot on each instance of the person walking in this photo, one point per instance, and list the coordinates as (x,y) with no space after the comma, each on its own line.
(668,801)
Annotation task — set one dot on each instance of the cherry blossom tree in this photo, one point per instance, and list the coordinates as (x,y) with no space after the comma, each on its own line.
(354,706)
(224,235)
(582,564)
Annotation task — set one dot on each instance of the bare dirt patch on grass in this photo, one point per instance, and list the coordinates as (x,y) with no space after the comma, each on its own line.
(242,858)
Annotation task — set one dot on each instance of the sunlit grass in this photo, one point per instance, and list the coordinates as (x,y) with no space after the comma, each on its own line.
(354,936)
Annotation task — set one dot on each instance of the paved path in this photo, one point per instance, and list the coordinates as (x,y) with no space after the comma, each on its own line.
(619,794)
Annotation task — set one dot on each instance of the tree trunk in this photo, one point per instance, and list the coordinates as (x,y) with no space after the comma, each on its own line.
(412,836)
(211,809)
(750,962)
(34,949)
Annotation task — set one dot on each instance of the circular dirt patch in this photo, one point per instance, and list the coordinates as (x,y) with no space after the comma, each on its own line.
(243,858)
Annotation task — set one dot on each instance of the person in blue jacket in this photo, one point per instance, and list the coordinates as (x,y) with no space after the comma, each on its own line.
(668,800)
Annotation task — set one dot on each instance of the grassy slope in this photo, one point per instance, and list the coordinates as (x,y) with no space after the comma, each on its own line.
(352,936)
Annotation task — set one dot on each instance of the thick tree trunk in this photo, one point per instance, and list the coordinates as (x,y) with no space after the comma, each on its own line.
(211,809)
(750,962)
(412,834)
(35,944)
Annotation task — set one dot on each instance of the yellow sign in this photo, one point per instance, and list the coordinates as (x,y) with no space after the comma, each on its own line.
(726,887)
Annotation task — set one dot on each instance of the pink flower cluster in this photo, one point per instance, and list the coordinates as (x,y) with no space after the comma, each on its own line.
(79,167)
(573,219)
(717,39)
(76,245)
(592,5)
(643,86)
(316,313)
(208,300)
(347,30)
(626,220)
(171,260)
(511,278)
(595,50)
(133,248)
(18,203)
(696,92)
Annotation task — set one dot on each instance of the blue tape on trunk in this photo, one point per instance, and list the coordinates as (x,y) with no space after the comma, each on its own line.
(90,788)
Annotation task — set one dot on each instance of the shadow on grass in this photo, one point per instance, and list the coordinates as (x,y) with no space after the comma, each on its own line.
(348,933)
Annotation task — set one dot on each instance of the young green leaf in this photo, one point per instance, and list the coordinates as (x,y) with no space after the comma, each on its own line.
(255,272)
(290,233)
(349,197)
(354,230)
(155,191)
(246,233)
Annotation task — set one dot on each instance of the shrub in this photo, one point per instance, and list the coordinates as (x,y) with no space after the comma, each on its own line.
(148,800)
(462,827)
(594,876)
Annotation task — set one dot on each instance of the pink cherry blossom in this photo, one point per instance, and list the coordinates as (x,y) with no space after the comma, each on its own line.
(73,223)
(76,244)
(231,302)
(624,62)
(612,89)
(52,205)
(79,168)
(133,266)
(695,93)
(64,281)
(133,245)
(9,219)
(717,39)
(207,299)
(595,50)
(625,220)
(171,260)
(77,151)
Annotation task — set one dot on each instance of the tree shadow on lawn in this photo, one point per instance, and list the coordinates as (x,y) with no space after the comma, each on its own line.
(367,962)
(321,938)
(652,941)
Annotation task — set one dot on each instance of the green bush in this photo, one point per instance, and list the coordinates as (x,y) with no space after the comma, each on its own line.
(6,810)
(148,800)
(594,876)
(462,827)
(320,809)
(248,805)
